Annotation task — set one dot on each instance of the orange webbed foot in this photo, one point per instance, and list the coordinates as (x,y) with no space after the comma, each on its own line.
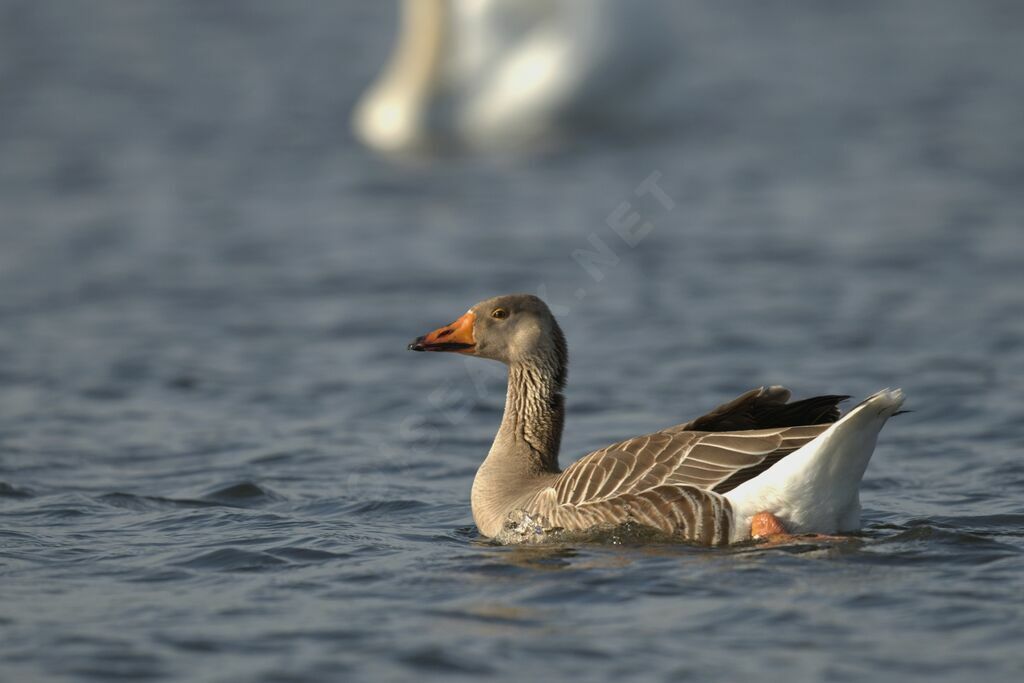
(767,529)
(766,525)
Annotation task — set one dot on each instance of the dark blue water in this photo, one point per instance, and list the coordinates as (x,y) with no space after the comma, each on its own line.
(219,463)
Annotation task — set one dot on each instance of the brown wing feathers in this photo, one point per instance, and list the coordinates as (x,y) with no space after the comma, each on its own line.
(696,514)
(673,479)
(715,457)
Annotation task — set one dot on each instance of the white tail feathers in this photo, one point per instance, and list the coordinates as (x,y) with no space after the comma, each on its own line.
(817,488)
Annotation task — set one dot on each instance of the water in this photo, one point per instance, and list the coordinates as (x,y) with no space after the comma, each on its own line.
(219,463)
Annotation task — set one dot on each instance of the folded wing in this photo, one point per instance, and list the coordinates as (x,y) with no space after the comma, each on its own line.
(673,479)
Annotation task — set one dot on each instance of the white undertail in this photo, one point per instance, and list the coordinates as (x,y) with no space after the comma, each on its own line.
(817,488)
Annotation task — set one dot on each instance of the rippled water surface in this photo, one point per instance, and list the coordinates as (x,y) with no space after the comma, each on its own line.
(219,463)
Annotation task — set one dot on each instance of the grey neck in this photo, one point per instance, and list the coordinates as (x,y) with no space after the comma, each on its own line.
(524,456)
(534,415)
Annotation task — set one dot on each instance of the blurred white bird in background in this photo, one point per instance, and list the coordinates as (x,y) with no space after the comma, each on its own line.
(515,75)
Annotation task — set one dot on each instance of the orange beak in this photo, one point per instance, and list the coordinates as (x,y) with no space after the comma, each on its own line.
(455,337)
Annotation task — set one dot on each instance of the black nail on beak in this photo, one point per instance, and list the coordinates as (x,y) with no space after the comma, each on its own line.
(417,345)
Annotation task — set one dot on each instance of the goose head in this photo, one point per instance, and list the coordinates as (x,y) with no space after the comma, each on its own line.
(515,329)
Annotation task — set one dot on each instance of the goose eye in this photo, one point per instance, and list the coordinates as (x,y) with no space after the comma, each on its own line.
(499,313)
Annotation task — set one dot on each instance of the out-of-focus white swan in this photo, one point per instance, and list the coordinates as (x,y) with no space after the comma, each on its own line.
(513,74)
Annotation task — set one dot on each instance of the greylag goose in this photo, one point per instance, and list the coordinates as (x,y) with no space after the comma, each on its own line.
(756,466)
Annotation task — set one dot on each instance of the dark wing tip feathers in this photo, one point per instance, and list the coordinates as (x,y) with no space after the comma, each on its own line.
(809,411)
(766,408)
